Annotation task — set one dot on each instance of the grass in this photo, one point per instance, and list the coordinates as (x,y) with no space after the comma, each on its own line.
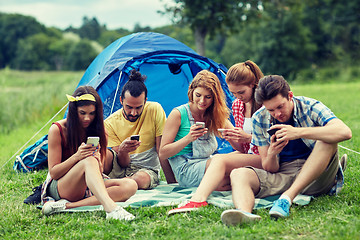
(325,217)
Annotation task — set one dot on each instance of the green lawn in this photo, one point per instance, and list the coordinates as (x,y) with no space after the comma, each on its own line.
(28,100)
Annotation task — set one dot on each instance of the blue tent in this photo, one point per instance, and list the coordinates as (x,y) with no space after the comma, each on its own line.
(168,64)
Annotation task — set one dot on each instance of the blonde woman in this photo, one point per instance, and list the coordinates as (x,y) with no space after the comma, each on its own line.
(189,145)
(242,80)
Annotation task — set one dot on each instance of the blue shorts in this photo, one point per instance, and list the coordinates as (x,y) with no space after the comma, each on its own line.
(188,172)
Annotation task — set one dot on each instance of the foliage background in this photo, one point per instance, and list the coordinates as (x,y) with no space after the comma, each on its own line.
(281,36)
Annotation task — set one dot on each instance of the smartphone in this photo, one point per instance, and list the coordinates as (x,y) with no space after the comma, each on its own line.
(272,131)
(135,137)
(221,129)
(93,140)
(201,124)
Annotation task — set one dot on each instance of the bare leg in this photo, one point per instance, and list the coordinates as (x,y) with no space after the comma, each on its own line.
(314,166)
(245,184)
(108,163)
(169,174)
(119,190)
(219,170)
(85,173)
(142,179)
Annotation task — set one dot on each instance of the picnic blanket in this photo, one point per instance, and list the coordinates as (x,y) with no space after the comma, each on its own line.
(171,195)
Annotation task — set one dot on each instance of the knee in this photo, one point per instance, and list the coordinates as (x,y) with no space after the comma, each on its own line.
(142,179)
(240,174)
(89,162)
(327,147)
(129,185)
(218,161)
(125,188)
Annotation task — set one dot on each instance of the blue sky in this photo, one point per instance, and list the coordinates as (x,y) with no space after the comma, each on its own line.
(113,13)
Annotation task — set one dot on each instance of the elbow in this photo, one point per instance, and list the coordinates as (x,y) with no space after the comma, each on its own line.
(270,168)
(347,134)
(162,157)
(54,175)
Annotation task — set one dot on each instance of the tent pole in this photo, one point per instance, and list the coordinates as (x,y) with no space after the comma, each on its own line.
(117,89)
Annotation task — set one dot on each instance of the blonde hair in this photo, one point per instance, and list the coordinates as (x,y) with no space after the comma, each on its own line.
(245,73)
(217,114)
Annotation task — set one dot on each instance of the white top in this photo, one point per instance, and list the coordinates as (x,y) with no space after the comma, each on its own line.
(247,125)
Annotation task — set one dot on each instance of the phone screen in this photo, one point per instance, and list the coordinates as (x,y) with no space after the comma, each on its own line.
(272,131)
(202,124)
(135,137)
(93,140)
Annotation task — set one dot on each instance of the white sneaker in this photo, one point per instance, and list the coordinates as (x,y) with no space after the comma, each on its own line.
(54,207)
(234,217)
(120,214)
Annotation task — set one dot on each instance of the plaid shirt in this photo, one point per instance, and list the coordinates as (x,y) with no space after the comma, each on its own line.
(238,109)
(308,112)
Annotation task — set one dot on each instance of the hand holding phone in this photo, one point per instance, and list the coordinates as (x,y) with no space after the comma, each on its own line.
(94,141)
(201,124)
(135,137)
(272,131)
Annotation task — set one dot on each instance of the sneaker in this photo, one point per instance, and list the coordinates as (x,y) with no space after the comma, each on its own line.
(280,209)
(120,213)
(234,217)
(35,197)
(54,207)
(343,161)
(188,206)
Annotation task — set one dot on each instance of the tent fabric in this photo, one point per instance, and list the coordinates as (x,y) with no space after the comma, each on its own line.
(168,64)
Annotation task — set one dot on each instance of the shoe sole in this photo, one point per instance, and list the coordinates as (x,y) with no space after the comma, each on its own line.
(234,217)
(128,219)
(276,215)
(182,210)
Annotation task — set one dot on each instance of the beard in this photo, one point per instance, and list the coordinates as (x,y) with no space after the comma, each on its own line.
(131,118)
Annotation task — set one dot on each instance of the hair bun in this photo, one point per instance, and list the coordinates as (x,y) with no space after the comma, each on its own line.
(136,76)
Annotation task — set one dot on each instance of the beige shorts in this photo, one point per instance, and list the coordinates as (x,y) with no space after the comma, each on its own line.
(279,182)
(52,190)
(121,172)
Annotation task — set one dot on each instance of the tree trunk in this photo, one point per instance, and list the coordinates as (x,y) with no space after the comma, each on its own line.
(200,34)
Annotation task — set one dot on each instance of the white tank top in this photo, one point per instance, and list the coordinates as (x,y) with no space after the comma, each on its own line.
(247,125)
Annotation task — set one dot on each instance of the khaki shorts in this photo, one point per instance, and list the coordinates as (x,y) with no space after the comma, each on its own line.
(52,190)
(121,172)
(279,182)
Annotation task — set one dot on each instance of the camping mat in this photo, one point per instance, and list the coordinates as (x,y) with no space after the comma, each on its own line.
(171,195)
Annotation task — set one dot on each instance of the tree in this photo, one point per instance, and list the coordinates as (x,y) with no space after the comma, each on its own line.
(90,29)
(13,28)
(80,55)
(139,28)
(59,50)
(32,53)
(335,29)
(208,17)
(107,37)
(285,45)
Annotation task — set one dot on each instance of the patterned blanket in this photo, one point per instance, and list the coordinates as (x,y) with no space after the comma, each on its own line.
(172,195)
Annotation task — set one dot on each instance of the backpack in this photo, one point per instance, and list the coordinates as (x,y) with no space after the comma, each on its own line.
(33,157)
